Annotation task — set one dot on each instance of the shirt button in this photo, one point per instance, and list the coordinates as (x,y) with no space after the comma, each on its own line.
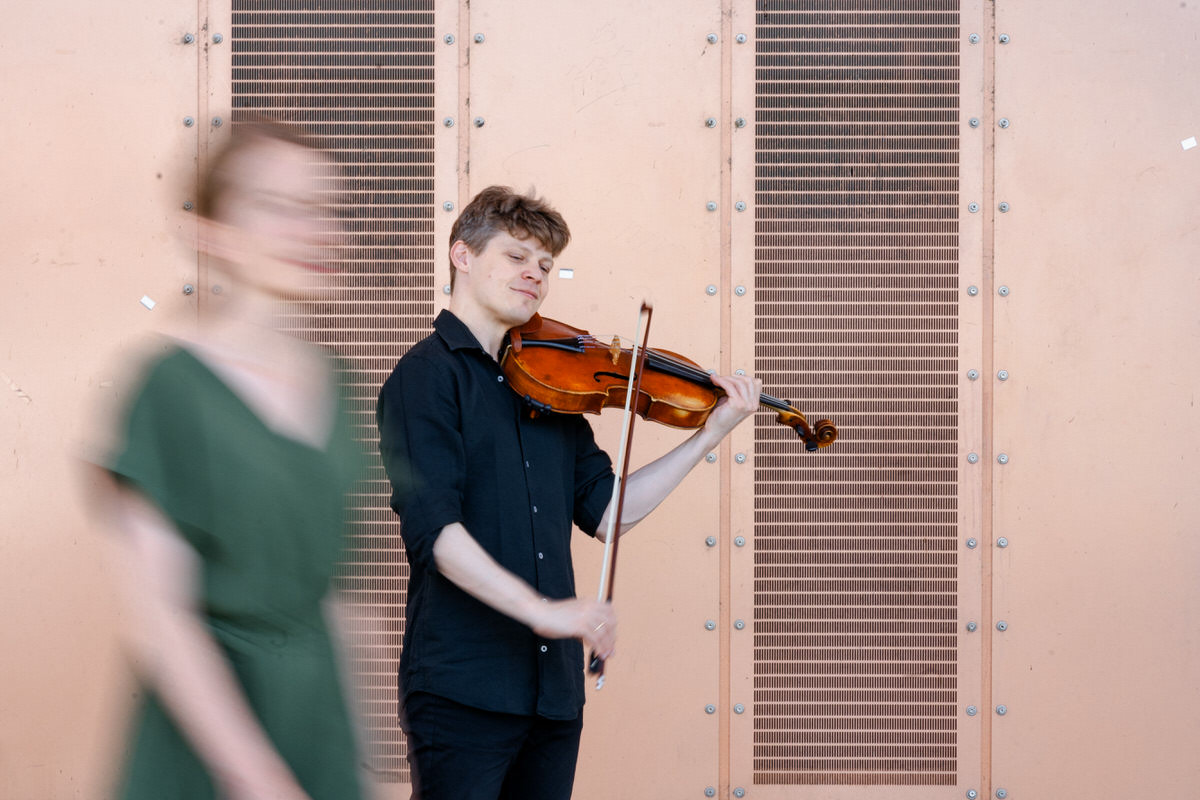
(526,465)
(544,648)
(535,509)
(540,556)
(500,378)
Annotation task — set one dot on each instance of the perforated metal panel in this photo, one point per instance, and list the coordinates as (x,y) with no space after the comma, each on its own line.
(359,77)
(856,270)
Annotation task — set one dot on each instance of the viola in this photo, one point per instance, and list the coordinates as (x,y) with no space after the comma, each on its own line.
(560,368)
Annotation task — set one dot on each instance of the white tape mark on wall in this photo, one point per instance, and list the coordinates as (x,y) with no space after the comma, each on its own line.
(147,302)
(566,274)
(16,389)
(1189,143)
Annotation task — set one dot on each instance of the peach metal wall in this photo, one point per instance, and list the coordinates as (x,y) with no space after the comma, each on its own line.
(602,107)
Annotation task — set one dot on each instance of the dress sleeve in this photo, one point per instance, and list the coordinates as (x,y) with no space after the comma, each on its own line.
(594,478)
(420,442)
(161,454)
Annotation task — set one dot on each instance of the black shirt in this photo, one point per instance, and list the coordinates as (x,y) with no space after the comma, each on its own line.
(460,446)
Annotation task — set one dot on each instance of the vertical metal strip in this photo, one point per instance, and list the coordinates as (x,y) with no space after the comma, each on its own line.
(988,287)
(725,200)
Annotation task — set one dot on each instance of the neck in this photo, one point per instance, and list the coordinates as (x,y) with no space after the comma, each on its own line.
(486,328)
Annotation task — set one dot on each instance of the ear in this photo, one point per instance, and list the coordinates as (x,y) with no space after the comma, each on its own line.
(460,256)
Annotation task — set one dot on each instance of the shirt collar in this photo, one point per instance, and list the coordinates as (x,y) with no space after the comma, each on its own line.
(455,333)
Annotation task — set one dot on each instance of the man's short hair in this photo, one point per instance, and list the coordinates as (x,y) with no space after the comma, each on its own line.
(523,216)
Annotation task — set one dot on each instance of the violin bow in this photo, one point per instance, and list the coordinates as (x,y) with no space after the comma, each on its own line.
(609,567)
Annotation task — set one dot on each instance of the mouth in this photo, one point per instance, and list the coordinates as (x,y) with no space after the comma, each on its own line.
(527,292)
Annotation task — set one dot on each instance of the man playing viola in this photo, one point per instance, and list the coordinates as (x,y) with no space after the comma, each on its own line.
(491,674)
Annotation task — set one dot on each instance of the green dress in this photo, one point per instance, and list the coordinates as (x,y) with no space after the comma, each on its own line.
(265,514)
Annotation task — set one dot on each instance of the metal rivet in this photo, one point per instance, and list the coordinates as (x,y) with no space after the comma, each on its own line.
(1003,291)
(448,206)
(1004,38)
(972,794)
(972,458)
(741,38)
(1004,207)
(218,38)
(740,541)
(216,122)
(1004,123)
(710,792)
(972,374)
(972,290)
(739,709)
(1002,542)
(479,122)
(711,541)
(973,38)
(972,711)
(740,205)
(1002,626)
(971,543)
(448,38)
(740,291)
(972,627)
(740,122)
(188,122)
(1002,710)
(973,207)
(448,122)
(710,625)
(1002,374)
(973,122)
(188,38)
(187,205)
(739,624)
(711,457)
(1002,458)
(739,792)
(216,289)
(710,290)
(710,709)
(711,122)
(188,288)
(1002,793)
(712,38)
(740,458)
(479,38)
(711,205)
(739,372)
(446,289)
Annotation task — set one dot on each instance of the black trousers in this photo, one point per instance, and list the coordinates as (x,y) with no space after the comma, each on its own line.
(461,753)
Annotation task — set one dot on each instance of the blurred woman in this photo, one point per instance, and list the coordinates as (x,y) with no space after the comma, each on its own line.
(235,458)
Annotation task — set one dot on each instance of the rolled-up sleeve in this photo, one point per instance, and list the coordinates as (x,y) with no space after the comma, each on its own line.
(421,445)
(593,479)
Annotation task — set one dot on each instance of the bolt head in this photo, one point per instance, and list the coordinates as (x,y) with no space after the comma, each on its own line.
(216,122)
(710,625)
(449,206)
(972,458)
(972,543)
(973,38)
(1002,458)
(972,627)
(480,122)
(448,122)
(188,288)
(974,122)
(1002,710)
(739,372)
(446,289)
(739,709)
(741,38)
(188,122)
(216,289)
(188,38)
(1002,374)
(711,541)
(448,38)
(1001,793)
(710,122)
(712,38)
(740,122)
(188,205)
(1003,291)
(710,290)
(711,458)
(1002,542)
(740,291)
(710,709)
(972,711)
(740,458)
(218,38)
(740,541)
(972,794)
(973,207)
(972,374)
(711,205)
(739,792)
(710,792)
(1004,38)
(1004,123)
(740,205)
(972,290)
(739,624)
(479,38)
(1004,208)
(1001,626)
